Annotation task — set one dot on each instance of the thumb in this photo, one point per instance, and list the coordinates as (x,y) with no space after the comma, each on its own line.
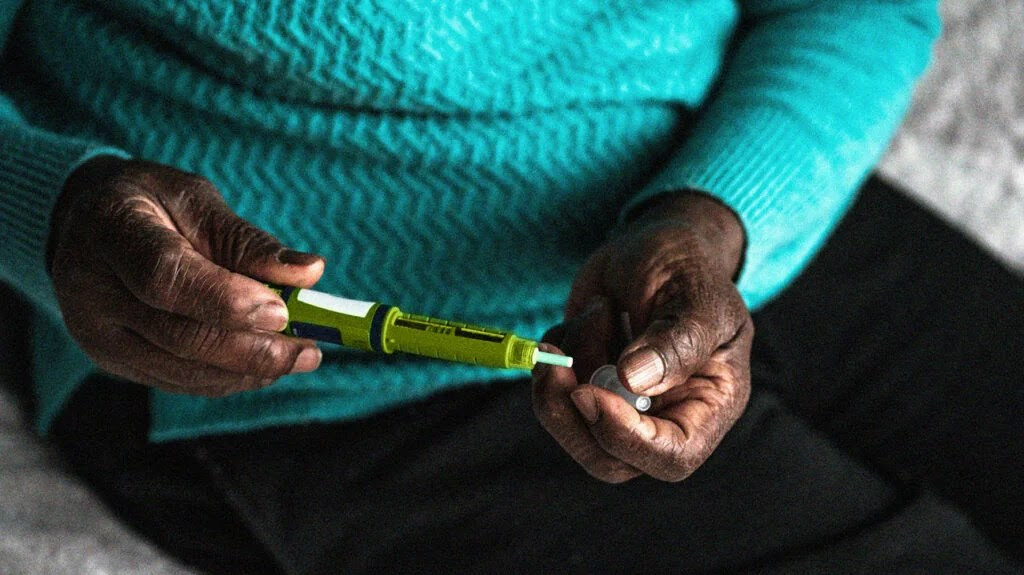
(234,243)
(670,350)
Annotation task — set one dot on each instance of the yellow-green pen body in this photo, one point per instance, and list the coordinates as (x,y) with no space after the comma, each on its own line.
(383,328)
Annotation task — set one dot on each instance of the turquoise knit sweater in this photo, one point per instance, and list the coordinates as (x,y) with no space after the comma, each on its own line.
(457,158)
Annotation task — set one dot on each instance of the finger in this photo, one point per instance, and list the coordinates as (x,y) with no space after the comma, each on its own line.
(589,283)
(656,446)
(259,353)
(591,338)
(234,243)
(128,354)
(686,327)
(162,269)
(558,414)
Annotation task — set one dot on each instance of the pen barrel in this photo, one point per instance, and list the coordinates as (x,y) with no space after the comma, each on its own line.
(383,328)
(455,341)
(331,319)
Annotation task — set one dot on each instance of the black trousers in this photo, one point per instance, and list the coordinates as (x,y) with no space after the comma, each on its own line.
(884,434)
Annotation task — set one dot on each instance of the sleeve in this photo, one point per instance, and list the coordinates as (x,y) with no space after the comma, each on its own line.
(808,99)
(33,166)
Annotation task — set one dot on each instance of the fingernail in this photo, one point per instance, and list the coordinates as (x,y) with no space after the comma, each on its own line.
(296,258)
(308,360)
(272,316)
(586,403)
(643,369)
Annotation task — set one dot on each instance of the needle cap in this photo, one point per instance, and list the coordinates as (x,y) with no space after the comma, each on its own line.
(551,358)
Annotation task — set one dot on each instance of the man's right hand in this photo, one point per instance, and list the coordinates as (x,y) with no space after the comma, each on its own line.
(161,283)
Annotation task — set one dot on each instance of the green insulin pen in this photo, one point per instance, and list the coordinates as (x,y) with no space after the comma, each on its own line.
(383,328)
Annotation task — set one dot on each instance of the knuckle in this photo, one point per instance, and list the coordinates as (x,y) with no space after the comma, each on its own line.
(113,204)
(188,190)
(634,443)
(190,195)
(668,458)
(196,339)
(676,475)
(238,242)
(199,185)
(218,304)
(686,458)
(119,215)
(161,277)
(231,305)
(673,472)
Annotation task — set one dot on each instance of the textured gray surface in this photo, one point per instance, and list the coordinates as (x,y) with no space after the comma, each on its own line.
(961,151)
(50,524)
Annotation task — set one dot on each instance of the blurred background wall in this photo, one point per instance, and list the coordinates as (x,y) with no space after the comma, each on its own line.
(961,149)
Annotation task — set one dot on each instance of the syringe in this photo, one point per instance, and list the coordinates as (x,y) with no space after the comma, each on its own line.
(384,328)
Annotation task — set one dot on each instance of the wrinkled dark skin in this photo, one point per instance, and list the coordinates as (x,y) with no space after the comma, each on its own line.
(154,277)
(671,269)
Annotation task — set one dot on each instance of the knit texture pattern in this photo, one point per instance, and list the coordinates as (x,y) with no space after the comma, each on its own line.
(458,158)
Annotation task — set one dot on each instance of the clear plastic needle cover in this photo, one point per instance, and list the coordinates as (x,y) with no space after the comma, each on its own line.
(607,377)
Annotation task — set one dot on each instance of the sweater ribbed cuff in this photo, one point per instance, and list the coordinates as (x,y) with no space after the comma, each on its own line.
(760,164)
(33,167)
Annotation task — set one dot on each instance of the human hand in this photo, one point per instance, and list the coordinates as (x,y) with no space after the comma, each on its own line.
(671,270)
(153,273)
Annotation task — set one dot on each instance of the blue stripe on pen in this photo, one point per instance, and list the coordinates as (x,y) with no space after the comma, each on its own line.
(377,328)
(286,292)
(317,332)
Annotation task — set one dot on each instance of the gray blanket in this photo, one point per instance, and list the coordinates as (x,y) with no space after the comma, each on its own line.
(961,151)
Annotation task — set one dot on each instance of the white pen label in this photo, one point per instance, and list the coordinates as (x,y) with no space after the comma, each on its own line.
(334,303)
